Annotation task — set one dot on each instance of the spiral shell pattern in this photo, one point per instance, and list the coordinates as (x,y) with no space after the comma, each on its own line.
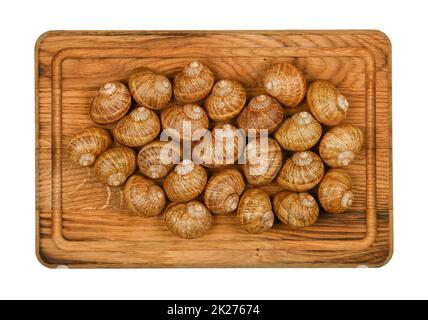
(335,191)
(296,209)
(302,172)
(111,103)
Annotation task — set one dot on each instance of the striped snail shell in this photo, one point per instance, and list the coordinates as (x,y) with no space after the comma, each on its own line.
(340,145)
(111,103)
(326,103)
(302,172)
(298,133)
(158,158)
(183,122)
(262,112)
(186,182)
(223,191)
(335,191)
(149,89)
(189,220)
(138,128)
(263,161)
(194,83)
(255,213)
(115,165)
(224,149)
(295,209)
(87,145)
(144,197)
(286,83)
(226,100)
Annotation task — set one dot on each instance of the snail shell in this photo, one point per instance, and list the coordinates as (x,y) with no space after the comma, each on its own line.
(263,161)
(340,145)
(115,165)
(298,133)
(194,83)
(225,147)
(326,103)
(144,197)
(88,144)
(335,191)
(255,211)
(149,89)
(138,128)
(226,100)
(189,220)
(302,172)
(184,122)
(157,159)
(295,209)
(223,191)
(262,112)
(186,182)
(112,103)
(286,83)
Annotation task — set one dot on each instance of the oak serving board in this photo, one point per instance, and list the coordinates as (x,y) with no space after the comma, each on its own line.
(83,224)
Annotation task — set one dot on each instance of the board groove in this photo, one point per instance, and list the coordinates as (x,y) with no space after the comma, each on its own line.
(69,63)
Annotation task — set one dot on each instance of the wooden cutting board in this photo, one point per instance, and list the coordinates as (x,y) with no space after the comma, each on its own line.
(83,224)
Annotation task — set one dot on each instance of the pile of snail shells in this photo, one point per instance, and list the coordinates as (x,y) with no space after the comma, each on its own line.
(157,178)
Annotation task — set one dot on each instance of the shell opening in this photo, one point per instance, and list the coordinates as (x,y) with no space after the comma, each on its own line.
(231,202)
(273,85)
(162,85)
(86,160)
(306,199)
(342,102)
(108,88)
(345,158)
(140,114)
(268,219)
(347,199)
(193,111)
(303,118)
(185,167)
(116,179)
(302,159)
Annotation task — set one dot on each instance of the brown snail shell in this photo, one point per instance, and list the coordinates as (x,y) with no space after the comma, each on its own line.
(335,191)
(194,83)
(340,145)
(112,103)
(255,211)
(262,112)
(186,182)
(226,100)
(302,172)
(144,197)
(158,158)
(298,133)
(88,144)
(326,103)
(184,122)
(189,220)
(263,161)
(223,191)
(225,147)
(149,89)
(295,209)
(138,128)
(286,83)
(115,165)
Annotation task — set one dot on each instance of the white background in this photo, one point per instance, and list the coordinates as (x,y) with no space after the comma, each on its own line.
(21,275)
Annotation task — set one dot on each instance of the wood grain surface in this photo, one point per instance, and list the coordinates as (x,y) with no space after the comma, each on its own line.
(83,224)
